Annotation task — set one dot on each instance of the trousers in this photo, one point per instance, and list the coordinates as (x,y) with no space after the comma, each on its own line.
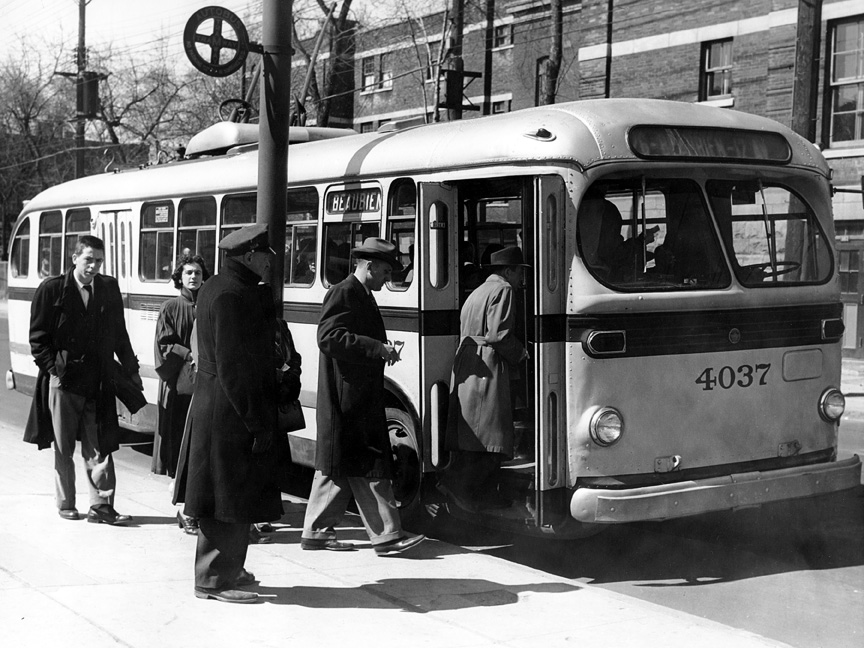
(72,416)
(330,497)
(220,553)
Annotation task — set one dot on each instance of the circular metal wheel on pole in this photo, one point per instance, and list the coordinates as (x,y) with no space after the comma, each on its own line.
(216,41)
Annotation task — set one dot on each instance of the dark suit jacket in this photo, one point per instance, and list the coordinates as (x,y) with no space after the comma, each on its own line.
(352,428)
(57,319)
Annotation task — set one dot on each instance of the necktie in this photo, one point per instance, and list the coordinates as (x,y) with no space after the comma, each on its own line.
(88,289)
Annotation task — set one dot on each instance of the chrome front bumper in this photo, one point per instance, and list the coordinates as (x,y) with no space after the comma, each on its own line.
(740,490)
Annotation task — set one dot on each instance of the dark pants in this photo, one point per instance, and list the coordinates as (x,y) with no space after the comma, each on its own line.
(221,552)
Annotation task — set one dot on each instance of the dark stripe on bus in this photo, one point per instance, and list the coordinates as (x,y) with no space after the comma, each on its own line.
(651,334)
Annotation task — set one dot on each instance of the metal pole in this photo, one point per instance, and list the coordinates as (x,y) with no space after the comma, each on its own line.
(274,111)
(81,61)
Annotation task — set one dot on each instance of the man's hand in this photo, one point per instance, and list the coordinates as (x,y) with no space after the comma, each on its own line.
(389,353)
(263,441)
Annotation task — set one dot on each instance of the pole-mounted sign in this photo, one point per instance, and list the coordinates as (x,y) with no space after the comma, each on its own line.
(216,41)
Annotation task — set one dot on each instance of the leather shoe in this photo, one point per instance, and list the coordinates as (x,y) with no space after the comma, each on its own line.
(105,513)
(226,595)
(69,514)
(320,544)
(258,538)
(188,523)
(245,578)
(400,545)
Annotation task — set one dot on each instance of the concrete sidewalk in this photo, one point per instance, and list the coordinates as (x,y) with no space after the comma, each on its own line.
(75,584)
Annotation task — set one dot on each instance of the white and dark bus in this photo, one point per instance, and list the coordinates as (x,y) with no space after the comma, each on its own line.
(682,314)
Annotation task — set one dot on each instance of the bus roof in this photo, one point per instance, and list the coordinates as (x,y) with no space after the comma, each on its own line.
(584,133)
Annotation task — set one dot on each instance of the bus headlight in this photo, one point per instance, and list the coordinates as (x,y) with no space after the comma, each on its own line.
(832,404)
(606,426)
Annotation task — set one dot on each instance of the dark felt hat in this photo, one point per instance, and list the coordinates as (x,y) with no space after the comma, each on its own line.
(509,256)
(376,248)
(245,239)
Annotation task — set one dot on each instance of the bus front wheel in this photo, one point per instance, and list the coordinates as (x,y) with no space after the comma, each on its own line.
(407,469)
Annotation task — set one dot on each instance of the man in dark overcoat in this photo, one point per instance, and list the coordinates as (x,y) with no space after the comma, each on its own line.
(228,465)
(480,430)
(76,328)
(353,454)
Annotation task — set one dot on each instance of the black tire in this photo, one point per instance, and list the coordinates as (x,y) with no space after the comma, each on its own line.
(407,468)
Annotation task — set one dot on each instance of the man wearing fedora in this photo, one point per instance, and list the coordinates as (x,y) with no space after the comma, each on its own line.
(227,470)
(480,433)
(353,446)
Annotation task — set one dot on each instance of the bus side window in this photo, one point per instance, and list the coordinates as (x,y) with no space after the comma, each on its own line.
(50,244)
(77,224)
(19,257)
(197,228)
(402,214)
(157,241)
(301,237)
(237,210)
(339,239)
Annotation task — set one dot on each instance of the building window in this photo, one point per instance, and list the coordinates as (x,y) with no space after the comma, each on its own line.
(849,267)
(499,107)
(377,74)
(367,127)
(847,81)
(433,50)
(716,77)
(503,36)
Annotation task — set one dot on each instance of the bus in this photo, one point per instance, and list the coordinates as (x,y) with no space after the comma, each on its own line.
(682,311)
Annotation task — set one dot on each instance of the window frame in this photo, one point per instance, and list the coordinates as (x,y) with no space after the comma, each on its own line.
(833,85)
(708,71)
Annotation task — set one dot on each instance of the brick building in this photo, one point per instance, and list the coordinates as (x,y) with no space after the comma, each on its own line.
(737,54)
(733,54)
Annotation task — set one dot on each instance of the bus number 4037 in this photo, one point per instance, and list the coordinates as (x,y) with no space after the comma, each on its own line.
(727,377)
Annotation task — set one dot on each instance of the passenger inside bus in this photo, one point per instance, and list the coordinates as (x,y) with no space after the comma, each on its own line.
(604,248)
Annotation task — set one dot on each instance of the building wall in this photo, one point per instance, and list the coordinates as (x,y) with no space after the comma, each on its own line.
(655,51)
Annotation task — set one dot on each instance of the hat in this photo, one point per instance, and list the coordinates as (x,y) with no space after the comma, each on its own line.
(508,256)
(246,239)
(376,248)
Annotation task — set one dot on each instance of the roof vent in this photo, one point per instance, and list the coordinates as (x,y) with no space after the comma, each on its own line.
(541,134)
(219,138)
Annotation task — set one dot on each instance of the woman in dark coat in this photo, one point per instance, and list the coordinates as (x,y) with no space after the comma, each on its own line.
(173,357)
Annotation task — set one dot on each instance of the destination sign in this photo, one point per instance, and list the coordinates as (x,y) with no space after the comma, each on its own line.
(721,144)
(354,201)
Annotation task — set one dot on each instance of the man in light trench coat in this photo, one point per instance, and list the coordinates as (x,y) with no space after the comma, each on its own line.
(480,432)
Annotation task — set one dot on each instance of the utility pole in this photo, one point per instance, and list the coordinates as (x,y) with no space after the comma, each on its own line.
(81,62)
(457,65)
(487,57)
(274,110)
(553,64)
(805,86)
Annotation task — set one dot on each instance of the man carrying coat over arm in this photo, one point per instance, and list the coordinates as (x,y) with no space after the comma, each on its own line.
(228,464)
(77,326)
(353,454)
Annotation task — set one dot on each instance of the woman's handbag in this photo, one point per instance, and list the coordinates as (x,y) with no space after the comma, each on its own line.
(290,412)
(186,379)
(291,416)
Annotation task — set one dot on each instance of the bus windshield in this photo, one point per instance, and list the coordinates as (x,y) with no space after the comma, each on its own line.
(650,234)
(772,235)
